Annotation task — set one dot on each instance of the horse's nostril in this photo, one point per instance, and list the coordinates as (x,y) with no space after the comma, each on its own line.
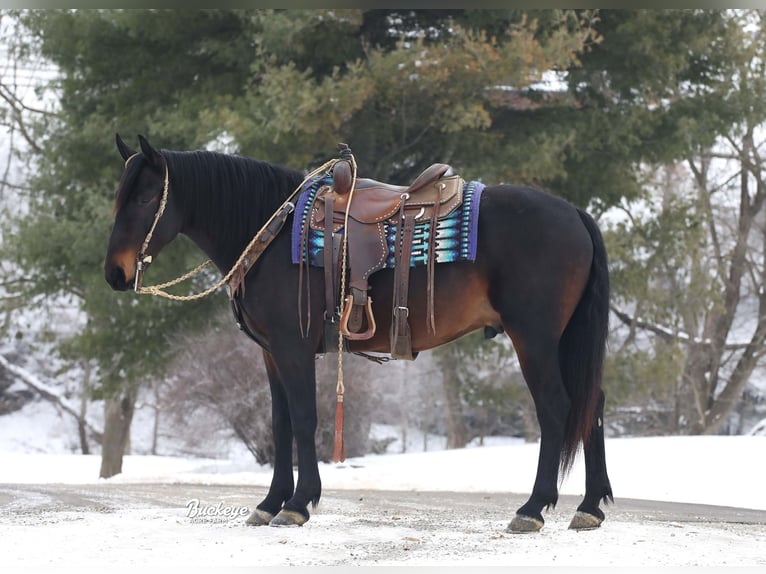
(115,276)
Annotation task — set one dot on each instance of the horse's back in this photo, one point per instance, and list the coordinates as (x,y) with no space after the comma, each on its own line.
(527,214)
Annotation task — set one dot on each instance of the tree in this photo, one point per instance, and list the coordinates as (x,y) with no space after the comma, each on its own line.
(644,92)
(641,95)
(404,88)
(77,171)
(694,267)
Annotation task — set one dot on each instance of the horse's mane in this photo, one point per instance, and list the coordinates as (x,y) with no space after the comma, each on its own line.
(231,193)
(222,195)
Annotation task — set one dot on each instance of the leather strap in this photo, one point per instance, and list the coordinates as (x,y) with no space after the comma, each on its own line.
(401,340)
(304,254)
(239,318)
(329,262)
(430,272)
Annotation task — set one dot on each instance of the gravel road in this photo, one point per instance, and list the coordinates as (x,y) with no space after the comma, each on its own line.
(134,524)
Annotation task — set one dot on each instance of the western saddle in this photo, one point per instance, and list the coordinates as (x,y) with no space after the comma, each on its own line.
(362,207)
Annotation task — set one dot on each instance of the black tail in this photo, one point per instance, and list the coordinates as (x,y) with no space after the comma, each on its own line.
(582,349)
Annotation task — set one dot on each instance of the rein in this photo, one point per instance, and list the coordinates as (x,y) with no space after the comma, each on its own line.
(249,255)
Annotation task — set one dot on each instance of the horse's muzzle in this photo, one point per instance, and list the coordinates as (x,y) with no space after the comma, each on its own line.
(115,276)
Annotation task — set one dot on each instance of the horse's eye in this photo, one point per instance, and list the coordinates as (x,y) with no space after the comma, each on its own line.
(144,199)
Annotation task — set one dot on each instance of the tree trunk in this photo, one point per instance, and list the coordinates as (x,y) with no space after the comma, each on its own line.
(82,429)
(155,431)
(529,416)
(118,414)
(156,425)
(714,405)
(457,433)
(83,434)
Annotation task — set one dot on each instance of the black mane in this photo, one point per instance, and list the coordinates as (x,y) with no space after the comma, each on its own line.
(227,195)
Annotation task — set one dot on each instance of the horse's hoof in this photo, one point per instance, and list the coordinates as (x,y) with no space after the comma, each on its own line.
(259,518)
(521,523)
(289,518)
(585,521)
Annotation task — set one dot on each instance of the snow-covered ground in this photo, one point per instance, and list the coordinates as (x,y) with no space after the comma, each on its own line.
(39,525)
(723,471)
(728,471)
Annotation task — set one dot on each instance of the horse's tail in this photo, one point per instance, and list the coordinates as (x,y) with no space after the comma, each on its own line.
(582,349)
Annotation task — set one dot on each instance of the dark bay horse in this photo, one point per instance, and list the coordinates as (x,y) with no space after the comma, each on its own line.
(540,275)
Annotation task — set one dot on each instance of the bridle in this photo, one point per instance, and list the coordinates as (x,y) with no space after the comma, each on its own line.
(247,259)
(143,260)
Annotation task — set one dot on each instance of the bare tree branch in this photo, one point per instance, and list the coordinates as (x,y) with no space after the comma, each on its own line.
(48,394)
(18,109)
(669,335)
(17,104)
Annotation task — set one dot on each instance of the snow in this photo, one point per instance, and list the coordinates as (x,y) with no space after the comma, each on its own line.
(141,517)
(673,469)
(726,471)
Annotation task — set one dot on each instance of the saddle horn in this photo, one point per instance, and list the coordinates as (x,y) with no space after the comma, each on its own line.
(342,173)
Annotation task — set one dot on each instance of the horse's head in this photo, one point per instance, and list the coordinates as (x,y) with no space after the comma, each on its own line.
(146,216)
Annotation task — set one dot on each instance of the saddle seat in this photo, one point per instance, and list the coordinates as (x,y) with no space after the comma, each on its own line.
(436,189)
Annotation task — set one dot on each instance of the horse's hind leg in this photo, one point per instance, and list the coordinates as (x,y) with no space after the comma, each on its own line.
(282,481)
(540,366)
(597,487)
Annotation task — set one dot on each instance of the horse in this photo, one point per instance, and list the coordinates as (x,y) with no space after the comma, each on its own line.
(540,275)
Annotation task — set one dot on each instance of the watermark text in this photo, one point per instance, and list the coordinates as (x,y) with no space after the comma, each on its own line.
(220,512)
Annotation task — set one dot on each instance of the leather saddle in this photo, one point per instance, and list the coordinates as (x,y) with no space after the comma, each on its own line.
(435,189)
(433,195)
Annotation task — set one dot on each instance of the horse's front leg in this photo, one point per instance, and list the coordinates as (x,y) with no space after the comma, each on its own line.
(282,481)
(298,380)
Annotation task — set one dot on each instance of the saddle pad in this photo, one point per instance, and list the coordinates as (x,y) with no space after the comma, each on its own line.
(455,234)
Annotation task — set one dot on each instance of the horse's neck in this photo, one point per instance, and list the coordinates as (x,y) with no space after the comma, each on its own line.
(209,247)
(224,243)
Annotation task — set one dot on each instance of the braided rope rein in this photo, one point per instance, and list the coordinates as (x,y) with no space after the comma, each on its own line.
(339,452)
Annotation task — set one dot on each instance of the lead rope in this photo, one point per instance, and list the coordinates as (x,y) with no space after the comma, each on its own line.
(339,452)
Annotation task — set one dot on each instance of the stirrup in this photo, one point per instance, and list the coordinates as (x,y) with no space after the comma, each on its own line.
(347,306)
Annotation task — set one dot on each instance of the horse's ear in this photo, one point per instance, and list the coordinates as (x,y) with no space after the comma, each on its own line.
(125,151)
(151,154)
